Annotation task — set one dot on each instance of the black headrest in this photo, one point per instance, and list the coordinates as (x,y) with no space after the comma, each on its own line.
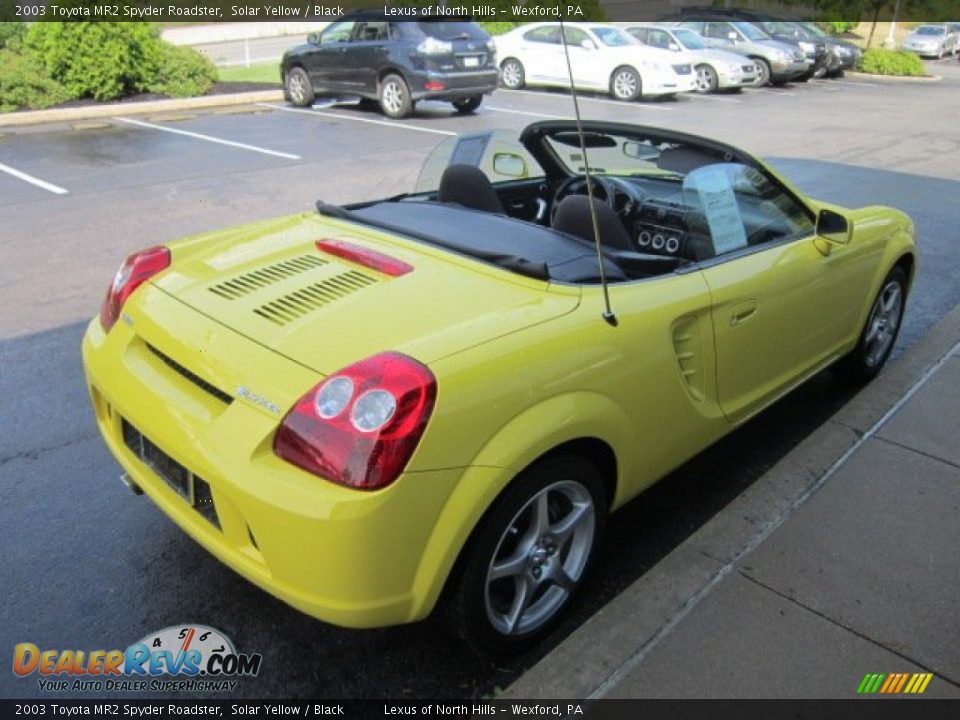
(573,216)
(468,186)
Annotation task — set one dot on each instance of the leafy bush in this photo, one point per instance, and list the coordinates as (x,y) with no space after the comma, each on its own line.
(182,72)
(839,27)
(24,83)
(10,31)
(498,28)
(891,62)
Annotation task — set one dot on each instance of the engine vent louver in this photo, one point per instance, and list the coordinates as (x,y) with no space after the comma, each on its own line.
(256,280)
(298,303)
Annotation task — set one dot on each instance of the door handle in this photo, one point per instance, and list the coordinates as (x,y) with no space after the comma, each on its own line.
(743,312)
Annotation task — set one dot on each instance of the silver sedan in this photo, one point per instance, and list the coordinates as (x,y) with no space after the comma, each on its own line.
(931,41)
(716,69)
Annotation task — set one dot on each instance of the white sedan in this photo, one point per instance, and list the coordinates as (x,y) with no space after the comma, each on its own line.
(603,57)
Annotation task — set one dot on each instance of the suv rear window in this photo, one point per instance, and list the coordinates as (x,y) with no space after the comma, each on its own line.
(452,30)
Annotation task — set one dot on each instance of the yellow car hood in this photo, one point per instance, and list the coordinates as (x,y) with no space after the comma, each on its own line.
(270,282)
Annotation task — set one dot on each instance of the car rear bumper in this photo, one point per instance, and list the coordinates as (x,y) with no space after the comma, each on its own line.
(455,85)
(349,557)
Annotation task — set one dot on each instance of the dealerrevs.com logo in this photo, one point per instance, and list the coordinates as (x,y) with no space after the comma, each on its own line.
(178,658)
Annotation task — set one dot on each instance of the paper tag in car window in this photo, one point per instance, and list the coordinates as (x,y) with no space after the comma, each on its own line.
(719,203)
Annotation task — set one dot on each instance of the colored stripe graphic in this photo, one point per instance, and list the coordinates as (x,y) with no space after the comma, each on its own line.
(894,683)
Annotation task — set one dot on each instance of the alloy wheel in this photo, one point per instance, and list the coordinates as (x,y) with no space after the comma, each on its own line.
(625,85)
(706,82)
(511,75)
(540,558)
(297,87)
(883,324)
(393,97)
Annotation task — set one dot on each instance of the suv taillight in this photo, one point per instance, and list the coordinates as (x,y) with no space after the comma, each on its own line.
(136,270)
(360,426)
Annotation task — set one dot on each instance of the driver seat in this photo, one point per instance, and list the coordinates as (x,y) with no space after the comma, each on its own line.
(573,217)
(467,185)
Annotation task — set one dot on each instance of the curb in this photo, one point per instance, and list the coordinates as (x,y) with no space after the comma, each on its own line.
(590,660)
(894,78)
(35,117)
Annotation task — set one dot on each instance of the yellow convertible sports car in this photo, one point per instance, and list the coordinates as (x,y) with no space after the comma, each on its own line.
(438,398)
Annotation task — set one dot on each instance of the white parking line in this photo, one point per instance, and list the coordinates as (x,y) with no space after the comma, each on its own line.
(838,81)
(209,138)
(718,99)
(402,126)
(33,180)
(619,103)
(524,112)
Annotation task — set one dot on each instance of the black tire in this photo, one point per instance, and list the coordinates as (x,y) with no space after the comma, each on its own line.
(394,97)
(707,81)
(765,71)
(512,74)
(298,88)
(625,84)
(479,607)
(867,359)
(465,106)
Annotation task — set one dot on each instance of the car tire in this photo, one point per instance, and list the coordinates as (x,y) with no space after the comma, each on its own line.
(625,84)
(368,104)
(395,97)
(298,88)
(707,81)
(465,106)
(512,75)
(765,72)
(880,332)
(539,571)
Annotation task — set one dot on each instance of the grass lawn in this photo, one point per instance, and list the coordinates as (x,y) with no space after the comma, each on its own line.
(261,73)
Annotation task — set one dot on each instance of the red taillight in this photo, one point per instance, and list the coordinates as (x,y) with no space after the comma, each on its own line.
(365,256)
(360,426)
(433,85)
(136,270)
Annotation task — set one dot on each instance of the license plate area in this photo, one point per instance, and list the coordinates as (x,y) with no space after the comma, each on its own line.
(172,472)
(470,60)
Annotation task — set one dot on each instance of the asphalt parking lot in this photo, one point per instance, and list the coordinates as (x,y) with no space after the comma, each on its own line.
(89,566)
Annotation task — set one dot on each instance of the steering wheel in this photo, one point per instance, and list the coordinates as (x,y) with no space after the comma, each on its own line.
(603,191)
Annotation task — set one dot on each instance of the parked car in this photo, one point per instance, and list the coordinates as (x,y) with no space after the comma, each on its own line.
(393,63)
(844,55)
(715,69)
(372,409)
(603,57)
(931,41)
(778,62)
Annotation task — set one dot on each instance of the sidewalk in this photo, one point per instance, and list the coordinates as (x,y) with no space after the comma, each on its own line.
(843,560)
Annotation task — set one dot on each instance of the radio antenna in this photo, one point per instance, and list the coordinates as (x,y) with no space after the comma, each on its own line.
(608,315)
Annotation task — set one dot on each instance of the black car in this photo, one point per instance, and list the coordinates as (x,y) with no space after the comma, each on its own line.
(393,63)
(784,30)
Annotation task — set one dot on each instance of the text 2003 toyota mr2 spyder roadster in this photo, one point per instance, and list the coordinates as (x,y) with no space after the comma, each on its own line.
(373,409)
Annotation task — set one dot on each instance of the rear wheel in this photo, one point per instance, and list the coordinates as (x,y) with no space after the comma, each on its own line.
(625,84)
(706,79)
(512,75)
(529,556)
(467,105)
(395,97)
(299,89)
(880,332)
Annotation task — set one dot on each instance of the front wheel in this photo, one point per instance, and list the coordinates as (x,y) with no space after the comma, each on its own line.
(465,106)
(625,84)
(706,79)
(529,556)
(765,72)
(880,332)
(299,89)
(512,76)
(395,97)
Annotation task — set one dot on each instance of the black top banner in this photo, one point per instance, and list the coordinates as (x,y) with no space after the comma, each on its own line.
(215,11)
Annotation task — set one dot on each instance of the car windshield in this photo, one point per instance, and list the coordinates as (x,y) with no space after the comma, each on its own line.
(751,32)
(813,29)
(930,30)
(612,37)
(689,39)
(452,30)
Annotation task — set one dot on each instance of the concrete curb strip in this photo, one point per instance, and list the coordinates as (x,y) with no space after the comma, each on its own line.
(893,78)
(596,654)
(87,112)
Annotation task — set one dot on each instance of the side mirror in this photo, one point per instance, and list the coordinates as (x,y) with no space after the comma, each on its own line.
(313,38)
(732,36)
(673,46)
(509,165)
(588,44)
(833,228)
